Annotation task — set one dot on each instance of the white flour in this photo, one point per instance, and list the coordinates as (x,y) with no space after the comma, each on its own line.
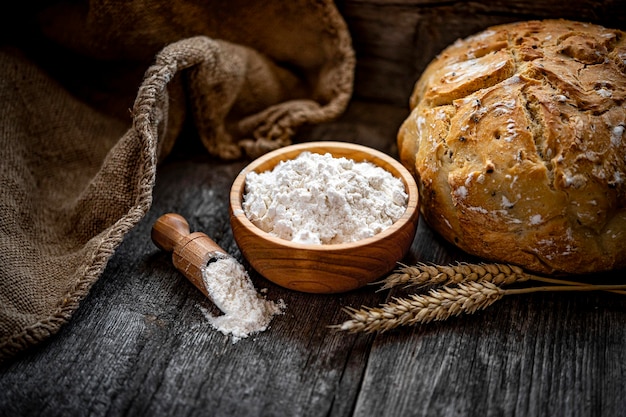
(230,289)
(320,199)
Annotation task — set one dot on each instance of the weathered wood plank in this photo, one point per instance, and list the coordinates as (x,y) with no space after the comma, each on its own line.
(539,355)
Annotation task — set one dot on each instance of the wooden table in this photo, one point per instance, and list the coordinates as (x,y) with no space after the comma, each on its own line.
(139,344)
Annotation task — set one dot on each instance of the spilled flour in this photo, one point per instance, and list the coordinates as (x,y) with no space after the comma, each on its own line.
(229,287)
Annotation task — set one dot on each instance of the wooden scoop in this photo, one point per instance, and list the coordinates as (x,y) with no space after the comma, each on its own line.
(191,252)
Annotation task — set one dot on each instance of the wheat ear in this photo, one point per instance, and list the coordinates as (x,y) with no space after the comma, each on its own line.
(424,274)
(417,308)
(441,304)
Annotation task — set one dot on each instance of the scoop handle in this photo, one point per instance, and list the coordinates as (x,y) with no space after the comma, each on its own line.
(169,230)
(191,252)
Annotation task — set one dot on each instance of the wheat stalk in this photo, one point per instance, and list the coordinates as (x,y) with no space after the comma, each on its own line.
(436,305)
(462,288)
(424,274)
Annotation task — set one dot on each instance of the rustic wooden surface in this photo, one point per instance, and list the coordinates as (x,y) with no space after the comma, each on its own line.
(139,344)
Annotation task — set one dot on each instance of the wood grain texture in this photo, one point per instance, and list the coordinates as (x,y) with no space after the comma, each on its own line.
(140,346)
(527,356)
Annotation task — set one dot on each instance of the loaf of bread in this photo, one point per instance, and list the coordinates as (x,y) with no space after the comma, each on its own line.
(516,137)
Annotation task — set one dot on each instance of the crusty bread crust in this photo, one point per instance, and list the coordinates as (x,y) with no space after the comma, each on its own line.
(516,137)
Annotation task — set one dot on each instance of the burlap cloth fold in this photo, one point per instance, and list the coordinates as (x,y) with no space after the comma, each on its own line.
(98,94)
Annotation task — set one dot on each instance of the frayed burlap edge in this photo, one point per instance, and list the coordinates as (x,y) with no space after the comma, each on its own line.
(146,119)
(272,128)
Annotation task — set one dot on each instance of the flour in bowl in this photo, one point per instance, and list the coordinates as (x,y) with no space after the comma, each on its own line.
(320,199)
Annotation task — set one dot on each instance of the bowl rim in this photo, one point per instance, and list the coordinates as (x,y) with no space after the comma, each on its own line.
(238,190)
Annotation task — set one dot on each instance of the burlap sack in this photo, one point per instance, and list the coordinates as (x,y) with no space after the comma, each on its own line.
(78,158)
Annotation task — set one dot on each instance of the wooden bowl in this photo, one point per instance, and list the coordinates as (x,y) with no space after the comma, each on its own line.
(330,268)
